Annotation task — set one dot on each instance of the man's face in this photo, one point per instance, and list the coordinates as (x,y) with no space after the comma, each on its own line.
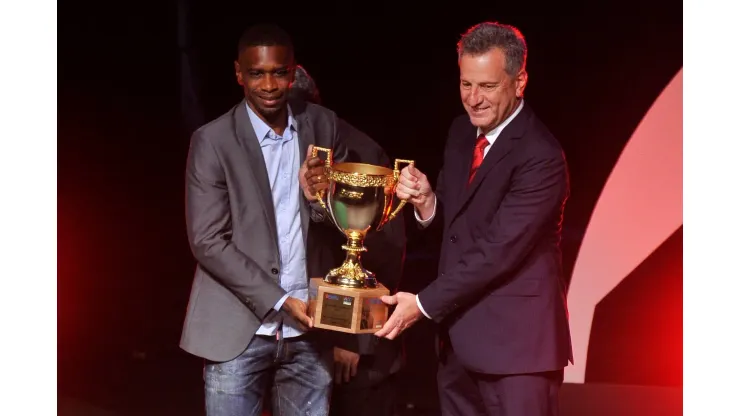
(265,73)
(489,94)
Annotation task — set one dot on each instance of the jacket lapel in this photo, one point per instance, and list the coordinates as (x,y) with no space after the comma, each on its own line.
(305,130)
(462,170)
(504,143)
(248,140)
(305,138)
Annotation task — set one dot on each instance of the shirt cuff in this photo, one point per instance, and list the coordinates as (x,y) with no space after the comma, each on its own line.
(426,222)
(279,303)
(418,303)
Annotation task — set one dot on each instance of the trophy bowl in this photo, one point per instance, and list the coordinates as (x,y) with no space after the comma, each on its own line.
(359,200)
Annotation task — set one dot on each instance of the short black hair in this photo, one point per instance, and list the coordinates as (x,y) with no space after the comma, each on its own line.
(264,34)
(485,36)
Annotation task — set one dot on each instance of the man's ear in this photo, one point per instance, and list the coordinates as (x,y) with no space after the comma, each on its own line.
(521,83)
(239,75)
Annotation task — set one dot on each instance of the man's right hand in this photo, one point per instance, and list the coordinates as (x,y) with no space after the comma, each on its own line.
(298,310)
(414,187)
(312,176)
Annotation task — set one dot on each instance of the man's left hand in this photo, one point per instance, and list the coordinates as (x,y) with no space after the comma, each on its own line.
(406,314)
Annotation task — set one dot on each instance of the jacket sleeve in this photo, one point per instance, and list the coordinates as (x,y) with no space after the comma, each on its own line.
(208,222)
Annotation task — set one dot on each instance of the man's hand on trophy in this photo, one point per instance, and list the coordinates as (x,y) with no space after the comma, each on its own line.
(406,314)
(298,310)
(312,176)
(414,187)
(345,365)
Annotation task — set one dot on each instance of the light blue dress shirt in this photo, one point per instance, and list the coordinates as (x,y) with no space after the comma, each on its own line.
(282,160)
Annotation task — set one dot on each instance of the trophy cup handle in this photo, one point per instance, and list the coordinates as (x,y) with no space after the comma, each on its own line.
(396,175)
(327,164)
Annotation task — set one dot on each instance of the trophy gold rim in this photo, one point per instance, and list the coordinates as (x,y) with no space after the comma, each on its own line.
(362,175)
(362,169)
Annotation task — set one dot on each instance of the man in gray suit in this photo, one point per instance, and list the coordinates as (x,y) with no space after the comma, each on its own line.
(247,224)
(365,366)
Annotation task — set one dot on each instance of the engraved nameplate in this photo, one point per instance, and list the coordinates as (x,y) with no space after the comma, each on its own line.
(337,310)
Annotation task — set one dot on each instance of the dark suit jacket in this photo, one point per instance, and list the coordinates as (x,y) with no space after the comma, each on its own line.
(499,293)
(231,227)
(386,250)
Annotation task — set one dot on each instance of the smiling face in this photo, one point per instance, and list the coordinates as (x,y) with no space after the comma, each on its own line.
(265,73)
(489,94)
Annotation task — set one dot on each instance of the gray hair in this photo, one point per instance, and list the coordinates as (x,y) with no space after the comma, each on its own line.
(304,87)
(485,36)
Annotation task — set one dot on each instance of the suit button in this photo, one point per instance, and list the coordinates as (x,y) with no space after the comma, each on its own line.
(453,239)
(274,271)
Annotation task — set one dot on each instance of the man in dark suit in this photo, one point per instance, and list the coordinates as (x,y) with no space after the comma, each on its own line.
(365,366)
(499,297)
(250,183)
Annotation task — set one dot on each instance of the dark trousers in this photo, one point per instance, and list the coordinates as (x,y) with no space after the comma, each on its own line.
(368,393)
(467,393)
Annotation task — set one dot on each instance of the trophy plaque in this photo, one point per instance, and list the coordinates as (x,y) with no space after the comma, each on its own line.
(358,200)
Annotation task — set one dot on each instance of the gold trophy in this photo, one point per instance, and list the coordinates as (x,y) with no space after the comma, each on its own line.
(359,200)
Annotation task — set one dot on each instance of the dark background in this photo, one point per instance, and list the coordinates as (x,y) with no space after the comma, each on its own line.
(135,80)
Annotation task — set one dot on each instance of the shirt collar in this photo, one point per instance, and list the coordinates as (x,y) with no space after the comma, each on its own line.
(264,132)
(491,135)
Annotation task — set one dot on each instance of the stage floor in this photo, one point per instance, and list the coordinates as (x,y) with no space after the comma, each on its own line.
(576,400)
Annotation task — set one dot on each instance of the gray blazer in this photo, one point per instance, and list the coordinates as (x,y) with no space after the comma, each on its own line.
(231,227)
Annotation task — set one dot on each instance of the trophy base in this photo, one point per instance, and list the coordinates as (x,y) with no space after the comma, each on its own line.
(347,309)
(351,273)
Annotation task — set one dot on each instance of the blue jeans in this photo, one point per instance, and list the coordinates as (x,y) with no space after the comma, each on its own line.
(296,370)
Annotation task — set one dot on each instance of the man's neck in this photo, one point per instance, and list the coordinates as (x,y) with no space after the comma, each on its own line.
(278,122)
(511,111)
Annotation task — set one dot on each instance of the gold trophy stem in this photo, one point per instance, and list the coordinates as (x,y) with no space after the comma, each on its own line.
(351,273)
